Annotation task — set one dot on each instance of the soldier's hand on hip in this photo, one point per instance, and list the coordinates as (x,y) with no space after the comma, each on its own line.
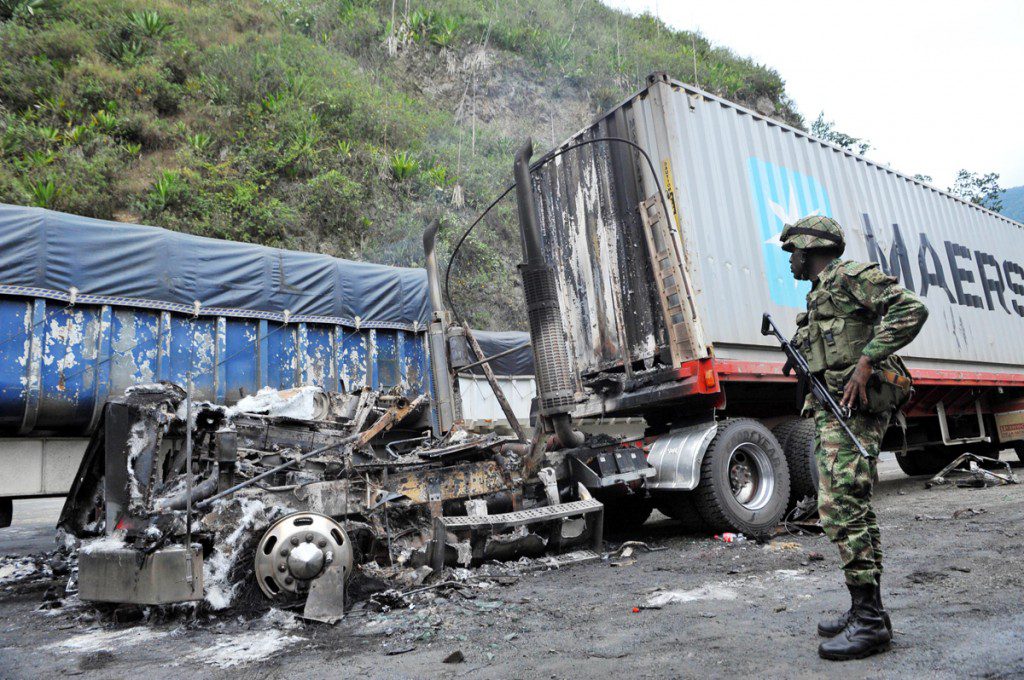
(855,393)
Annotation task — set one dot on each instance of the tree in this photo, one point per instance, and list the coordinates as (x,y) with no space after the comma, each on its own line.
(923,178)
(826,129)
(979,189)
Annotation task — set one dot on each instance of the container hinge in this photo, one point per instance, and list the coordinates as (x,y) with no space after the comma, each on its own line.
(674,287)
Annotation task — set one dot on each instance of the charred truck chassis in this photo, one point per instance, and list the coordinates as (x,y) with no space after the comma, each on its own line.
(293,506)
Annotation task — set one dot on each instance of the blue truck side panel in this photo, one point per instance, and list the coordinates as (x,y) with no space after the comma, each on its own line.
(59,363)
(90,307)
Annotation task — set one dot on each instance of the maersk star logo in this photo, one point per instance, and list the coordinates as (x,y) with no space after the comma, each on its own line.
(782,196)
(787,214)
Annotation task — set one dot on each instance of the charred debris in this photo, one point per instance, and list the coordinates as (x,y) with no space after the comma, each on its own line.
(291,492)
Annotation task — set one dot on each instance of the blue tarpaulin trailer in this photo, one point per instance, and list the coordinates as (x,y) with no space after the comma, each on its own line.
(90,307)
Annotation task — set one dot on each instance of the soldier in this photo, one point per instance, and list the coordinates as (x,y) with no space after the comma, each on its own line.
(856,318)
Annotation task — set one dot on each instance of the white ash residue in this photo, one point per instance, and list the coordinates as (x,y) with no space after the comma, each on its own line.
(712,591)
(244,648)
(99,639)
(14,569)
(282,620)
(254,518)
(112,542)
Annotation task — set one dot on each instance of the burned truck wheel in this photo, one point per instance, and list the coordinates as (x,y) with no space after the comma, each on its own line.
(680,506)
(797,439)
(744,479)
(296,550)
(623,514)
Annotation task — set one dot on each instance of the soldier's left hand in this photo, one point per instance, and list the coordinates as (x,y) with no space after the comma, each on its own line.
(855,393)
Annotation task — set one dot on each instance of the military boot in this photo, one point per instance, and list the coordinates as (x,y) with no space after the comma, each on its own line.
(832,627)
(865,634)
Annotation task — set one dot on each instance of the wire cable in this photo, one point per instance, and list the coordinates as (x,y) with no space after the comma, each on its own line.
(544,160)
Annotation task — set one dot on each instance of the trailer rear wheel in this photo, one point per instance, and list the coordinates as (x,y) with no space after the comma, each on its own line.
(744,479)
(1019,450)
(797,439)
(680,506)
(926,462)
(7,511)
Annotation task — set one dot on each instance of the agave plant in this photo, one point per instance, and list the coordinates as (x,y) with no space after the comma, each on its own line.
(150,23)
(199,142)
(403,165)
(75,134)
(445,31)
(105,121)
(128,51)
(43,193)
(37,159)
(167,189)
(49,134)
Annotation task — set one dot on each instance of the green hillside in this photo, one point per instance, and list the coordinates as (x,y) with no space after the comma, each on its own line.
(1013,203)
(337,126)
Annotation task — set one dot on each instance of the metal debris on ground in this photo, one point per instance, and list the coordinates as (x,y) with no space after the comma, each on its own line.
(975,476)
(300,498)
(958,514)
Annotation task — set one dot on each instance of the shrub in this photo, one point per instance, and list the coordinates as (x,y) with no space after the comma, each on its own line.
(23,9)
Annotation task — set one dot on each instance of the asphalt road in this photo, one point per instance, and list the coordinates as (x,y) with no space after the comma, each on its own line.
(954,586)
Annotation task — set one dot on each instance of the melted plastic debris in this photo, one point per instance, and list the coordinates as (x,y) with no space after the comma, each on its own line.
(303,403)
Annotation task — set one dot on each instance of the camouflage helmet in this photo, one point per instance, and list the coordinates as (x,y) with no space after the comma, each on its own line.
(813,231)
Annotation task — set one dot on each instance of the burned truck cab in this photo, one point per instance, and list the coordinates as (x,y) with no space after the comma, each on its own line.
(617,336)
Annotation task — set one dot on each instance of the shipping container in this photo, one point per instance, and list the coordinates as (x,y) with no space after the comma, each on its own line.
(732,179)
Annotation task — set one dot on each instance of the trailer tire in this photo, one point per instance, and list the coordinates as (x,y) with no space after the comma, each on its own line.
(680,506)
(7,512)
(744,479)
(1019,450)
(925,462)
(797,439)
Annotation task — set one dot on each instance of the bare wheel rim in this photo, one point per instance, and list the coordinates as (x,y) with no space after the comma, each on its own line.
(751,476)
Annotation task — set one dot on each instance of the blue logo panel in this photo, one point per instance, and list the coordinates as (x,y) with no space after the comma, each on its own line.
(782,196)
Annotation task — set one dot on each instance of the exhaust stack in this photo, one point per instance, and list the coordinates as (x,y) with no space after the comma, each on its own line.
(555,386)
(447,407)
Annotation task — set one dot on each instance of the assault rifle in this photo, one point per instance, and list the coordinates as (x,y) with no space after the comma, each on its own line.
(796,360)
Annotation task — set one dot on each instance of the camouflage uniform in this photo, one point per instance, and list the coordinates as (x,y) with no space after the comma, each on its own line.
(853,309)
